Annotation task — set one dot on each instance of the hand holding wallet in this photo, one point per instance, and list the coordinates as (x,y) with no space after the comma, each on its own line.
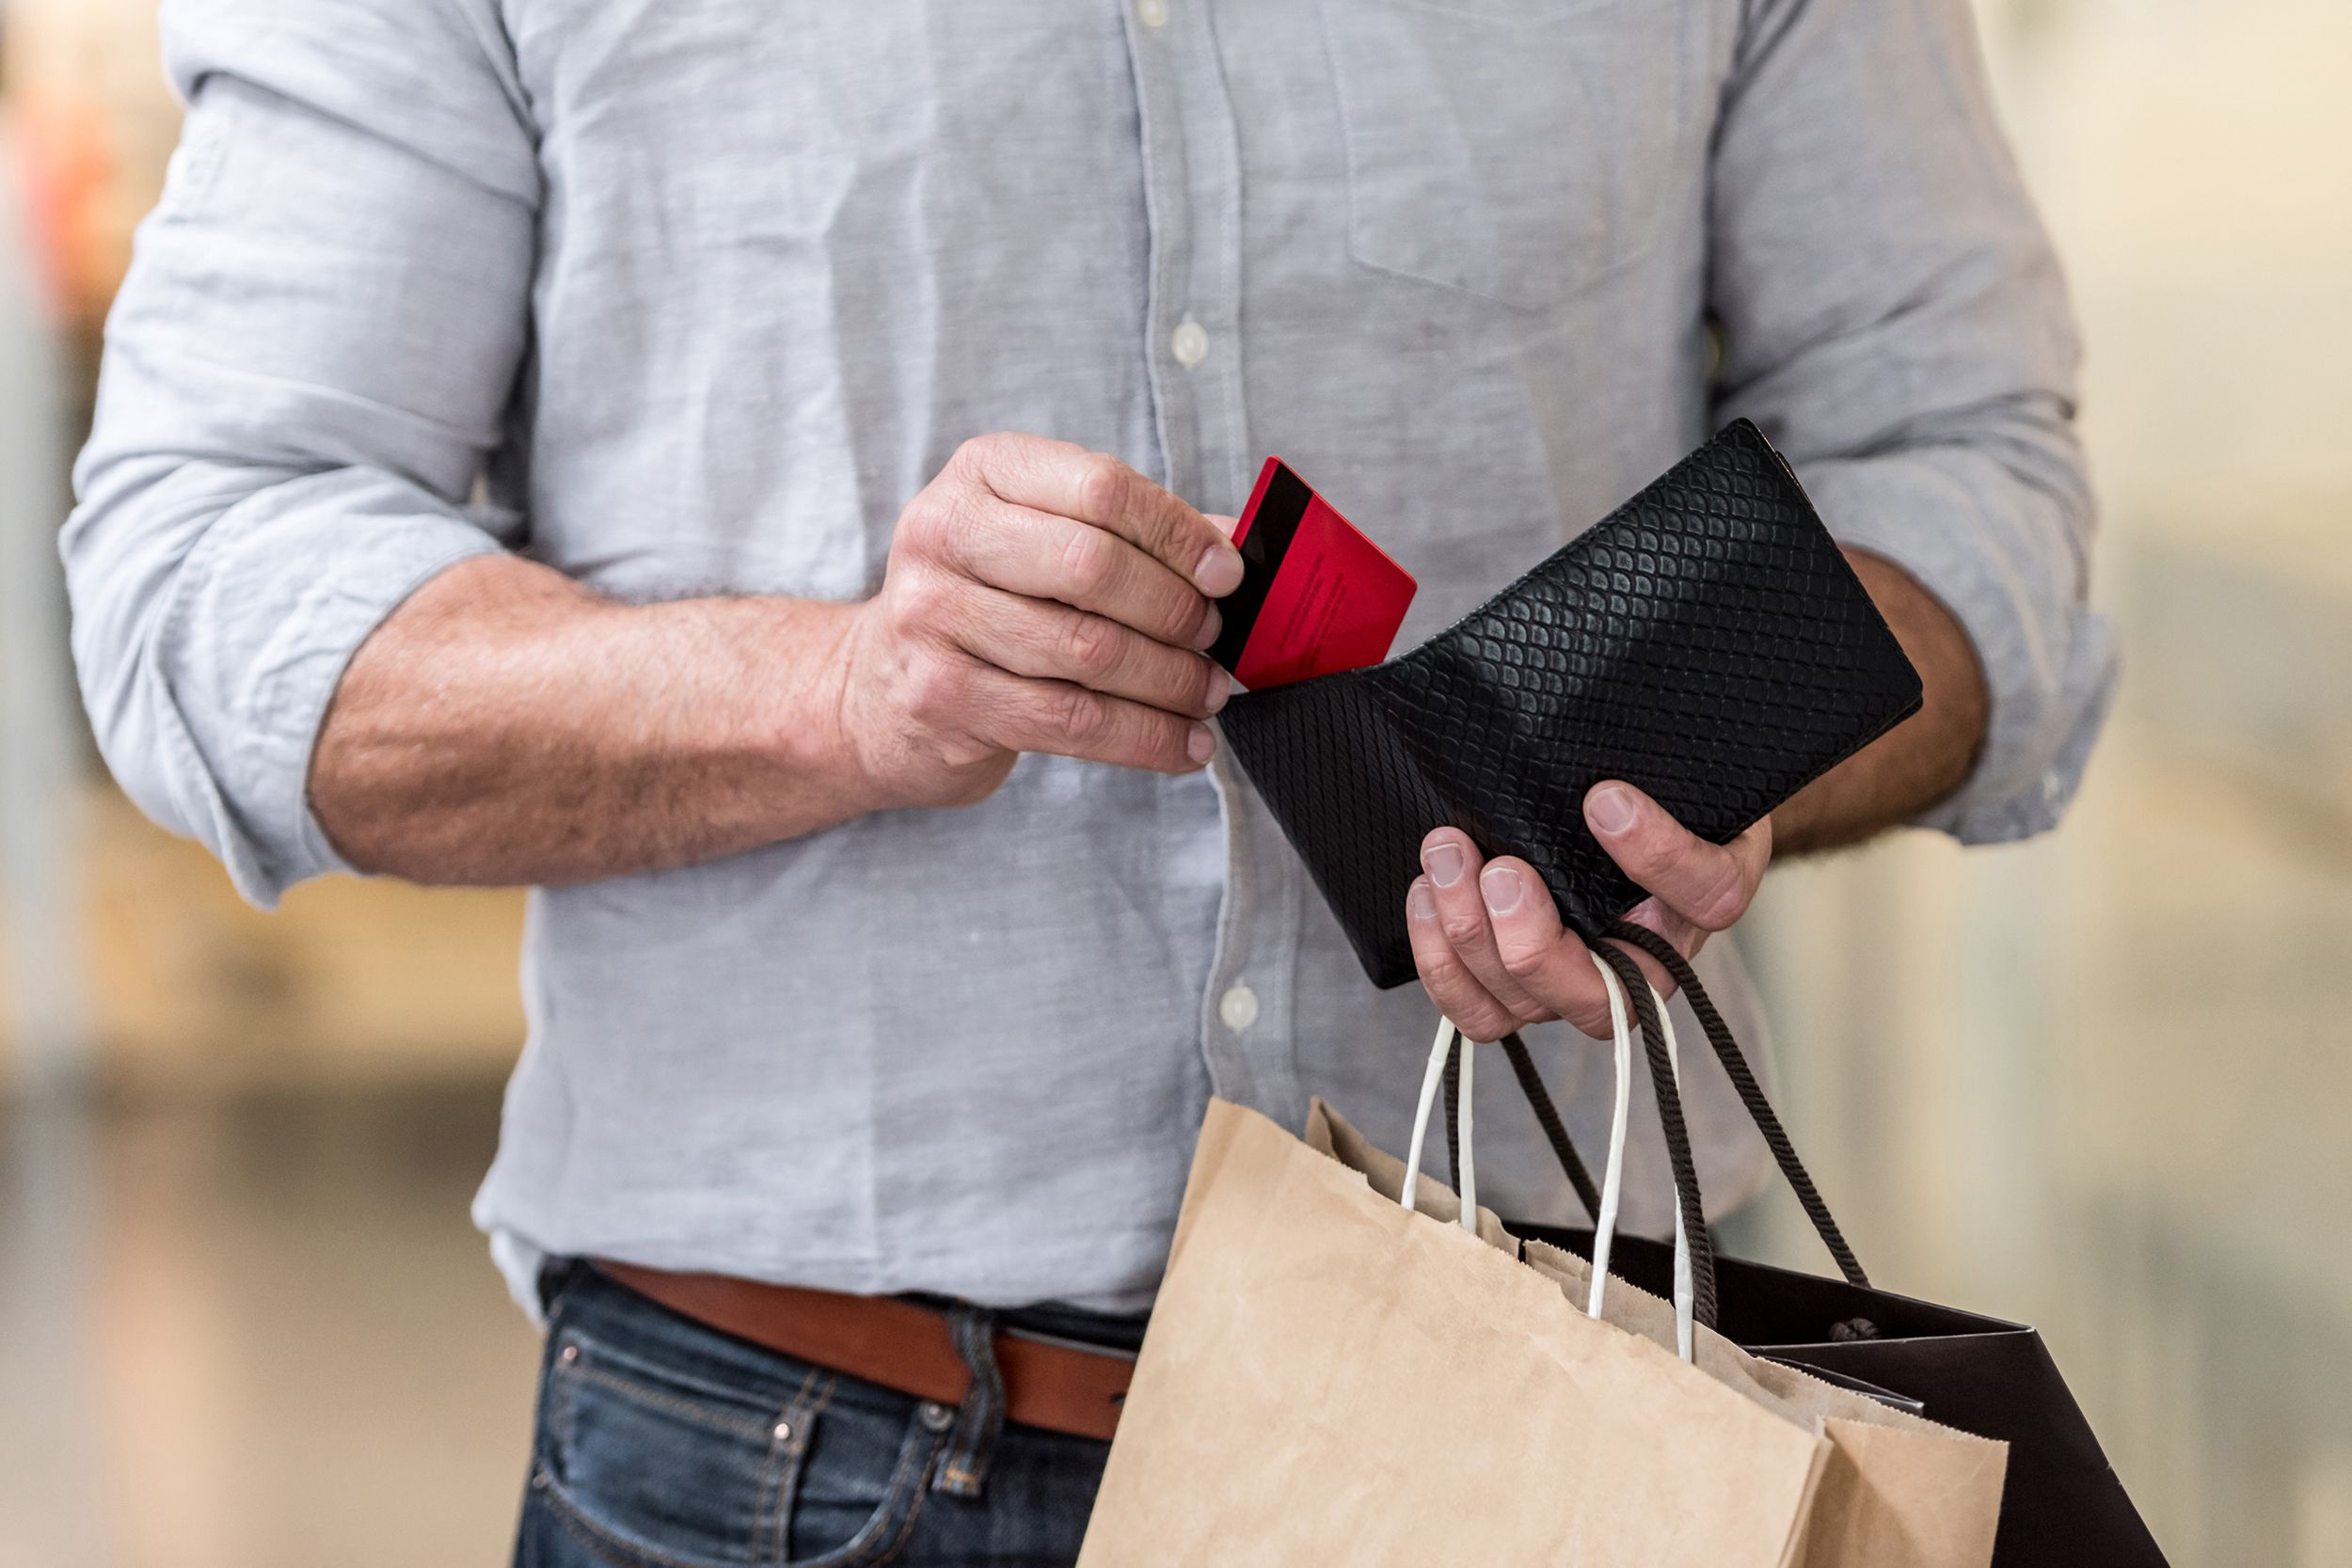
(1705,642)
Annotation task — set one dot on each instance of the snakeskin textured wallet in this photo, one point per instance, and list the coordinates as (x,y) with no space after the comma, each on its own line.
(1705,642)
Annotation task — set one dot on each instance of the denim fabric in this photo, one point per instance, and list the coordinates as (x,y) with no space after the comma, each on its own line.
(665,1444)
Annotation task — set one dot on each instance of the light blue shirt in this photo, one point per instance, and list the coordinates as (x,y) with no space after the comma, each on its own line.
(691,297)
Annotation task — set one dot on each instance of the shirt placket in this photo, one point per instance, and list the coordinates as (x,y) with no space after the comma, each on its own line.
(1192,191)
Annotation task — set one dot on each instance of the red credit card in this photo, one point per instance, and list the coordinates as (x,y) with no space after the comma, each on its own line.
(1316,597)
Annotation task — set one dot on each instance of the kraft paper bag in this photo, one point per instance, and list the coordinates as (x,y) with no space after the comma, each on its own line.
(1331,1378)
(1897,1489)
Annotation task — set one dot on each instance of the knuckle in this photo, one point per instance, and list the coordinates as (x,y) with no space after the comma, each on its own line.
(947,521)
(919,523)
(1090,647)
(1462,928)
(1080,716)
(1488,1022)
(1103,486)
(1443,974)
(1089,562)
(1591,1018)
(938,690)
(921,601)
(1521,963)
(980,452)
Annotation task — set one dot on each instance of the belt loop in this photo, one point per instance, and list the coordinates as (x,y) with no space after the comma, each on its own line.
(964,1470)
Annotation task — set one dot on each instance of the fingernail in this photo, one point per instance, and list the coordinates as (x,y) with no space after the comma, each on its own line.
(1420,903)
(1502,888)
(1445,864)
(1220,687)
(1209,628)
(1220,572)
(1201,746)
(1610,808)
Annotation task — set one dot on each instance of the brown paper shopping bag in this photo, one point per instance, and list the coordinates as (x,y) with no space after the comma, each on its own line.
(1896,1489)
(1333,1377)
(1330,1378)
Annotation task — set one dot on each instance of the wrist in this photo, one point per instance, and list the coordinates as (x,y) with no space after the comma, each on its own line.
(804,671)
(1920,761)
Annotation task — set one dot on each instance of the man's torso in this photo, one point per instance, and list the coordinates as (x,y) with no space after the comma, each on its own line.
(1447,259)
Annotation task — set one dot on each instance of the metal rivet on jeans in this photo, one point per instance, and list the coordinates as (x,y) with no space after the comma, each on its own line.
(570,1354)
(935,1417)
(784,1432)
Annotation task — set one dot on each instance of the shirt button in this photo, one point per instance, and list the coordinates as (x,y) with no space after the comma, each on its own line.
(1152,13)
(1190,345)
(1237,1009)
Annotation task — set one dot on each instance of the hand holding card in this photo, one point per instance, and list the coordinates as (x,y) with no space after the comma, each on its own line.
(1316,597)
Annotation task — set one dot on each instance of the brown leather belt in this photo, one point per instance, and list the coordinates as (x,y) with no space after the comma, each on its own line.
(1057,1383)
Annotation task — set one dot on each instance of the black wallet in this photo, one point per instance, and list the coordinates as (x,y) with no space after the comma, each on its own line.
(1705,642)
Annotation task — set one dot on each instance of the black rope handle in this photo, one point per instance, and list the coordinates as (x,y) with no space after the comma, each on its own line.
(1539,1099)
(1547,1116)
(1661,1077)
(1453,1108)
(1751,1093)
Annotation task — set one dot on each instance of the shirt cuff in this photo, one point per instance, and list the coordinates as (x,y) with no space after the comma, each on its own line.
(2049,661)
(269,610)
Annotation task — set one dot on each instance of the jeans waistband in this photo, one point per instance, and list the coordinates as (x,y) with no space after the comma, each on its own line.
(578,1290)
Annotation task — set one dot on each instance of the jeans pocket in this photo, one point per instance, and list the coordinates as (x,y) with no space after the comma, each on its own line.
(863,1475)
(1514,150)
(652,1461)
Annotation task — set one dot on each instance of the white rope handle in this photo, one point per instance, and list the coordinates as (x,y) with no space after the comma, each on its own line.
(1612,1179)
(1432,1076)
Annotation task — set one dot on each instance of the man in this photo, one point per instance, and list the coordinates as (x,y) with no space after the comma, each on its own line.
(757,475)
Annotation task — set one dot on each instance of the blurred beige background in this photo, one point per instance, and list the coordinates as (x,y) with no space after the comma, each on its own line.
(2100,1083)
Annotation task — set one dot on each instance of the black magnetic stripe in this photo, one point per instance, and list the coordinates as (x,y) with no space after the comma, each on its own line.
(1262,548)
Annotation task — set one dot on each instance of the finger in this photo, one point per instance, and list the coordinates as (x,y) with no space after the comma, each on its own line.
(1052,642)
(1063,719)
(1708,884)
(1685,938)
(1452,864)
(1097,488)
(1452,987)
(1041,555)
(1548,962)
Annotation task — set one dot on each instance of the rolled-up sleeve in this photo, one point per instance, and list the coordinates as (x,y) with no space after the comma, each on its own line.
(1893,317)
(310,364)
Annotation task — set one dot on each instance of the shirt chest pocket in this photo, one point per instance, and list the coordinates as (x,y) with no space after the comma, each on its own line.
(1515,149)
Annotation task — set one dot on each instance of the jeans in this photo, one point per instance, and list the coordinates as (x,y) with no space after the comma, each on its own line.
(665,1444)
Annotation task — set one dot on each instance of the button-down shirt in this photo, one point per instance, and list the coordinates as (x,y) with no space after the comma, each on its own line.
(690,299)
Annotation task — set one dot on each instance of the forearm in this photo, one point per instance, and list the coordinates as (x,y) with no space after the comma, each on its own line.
(1921,760)
(507,725)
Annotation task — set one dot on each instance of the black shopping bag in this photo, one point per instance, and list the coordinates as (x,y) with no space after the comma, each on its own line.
(2063,1506)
